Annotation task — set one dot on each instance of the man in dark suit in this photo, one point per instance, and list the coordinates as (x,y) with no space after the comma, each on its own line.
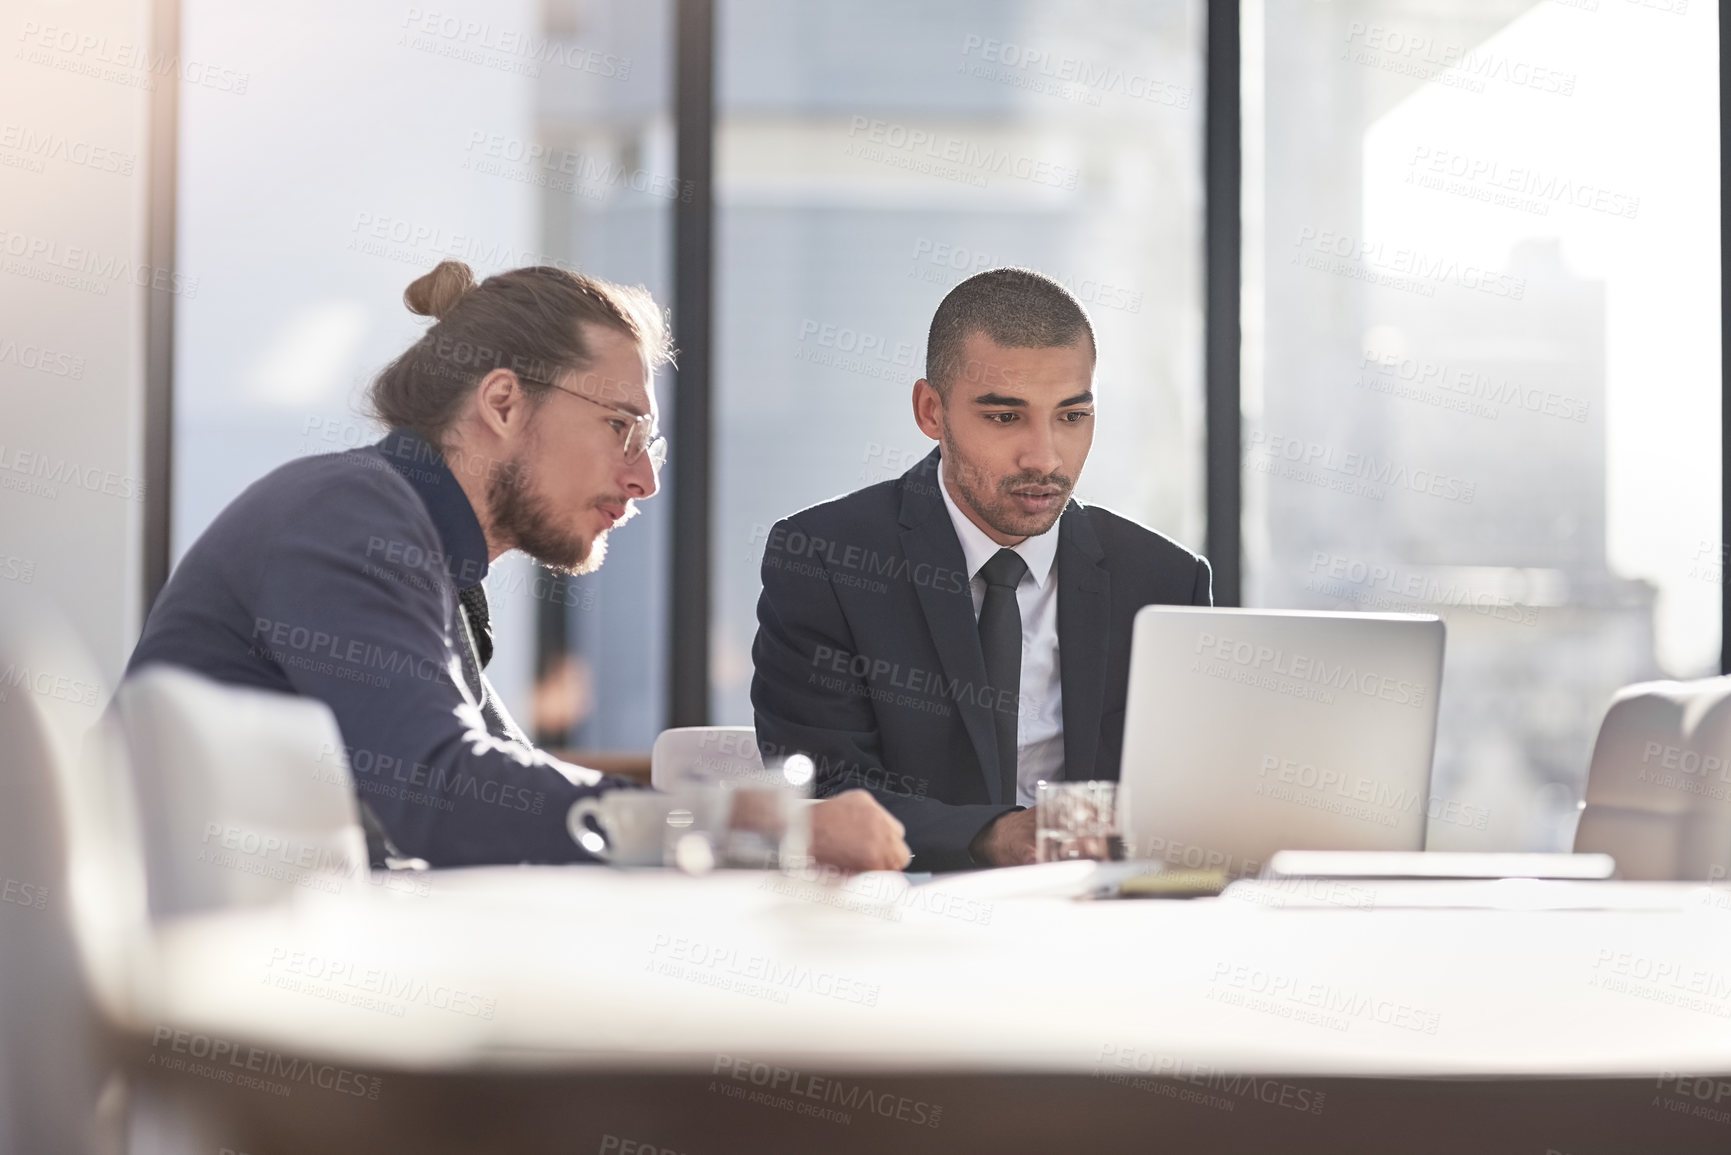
(523,419)
(952,637)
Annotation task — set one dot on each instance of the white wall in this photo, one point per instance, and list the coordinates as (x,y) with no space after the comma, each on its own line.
(73,159)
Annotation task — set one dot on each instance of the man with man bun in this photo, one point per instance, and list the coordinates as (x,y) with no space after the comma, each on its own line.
(522,419)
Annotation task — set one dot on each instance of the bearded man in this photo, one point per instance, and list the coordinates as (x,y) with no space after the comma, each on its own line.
(522,419)
(950,638)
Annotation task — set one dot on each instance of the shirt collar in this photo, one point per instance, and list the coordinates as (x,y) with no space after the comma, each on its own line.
(460,534)
(1041,552)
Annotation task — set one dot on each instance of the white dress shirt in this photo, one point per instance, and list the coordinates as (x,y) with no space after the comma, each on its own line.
(1040,705)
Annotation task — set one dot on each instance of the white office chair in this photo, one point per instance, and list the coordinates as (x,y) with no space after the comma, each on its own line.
(243,795)
(703,755)
(70,911)
(1659,787)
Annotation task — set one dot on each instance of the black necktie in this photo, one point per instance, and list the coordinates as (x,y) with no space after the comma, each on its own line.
(1001,643)
(474,602)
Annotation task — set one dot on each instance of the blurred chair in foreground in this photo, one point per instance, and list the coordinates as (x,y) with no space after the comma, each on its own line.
(1659,787)
(243,795)
(71,910)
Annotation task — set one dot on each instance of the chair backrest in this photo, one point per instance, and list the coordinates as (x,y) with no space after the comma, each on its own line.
(70,908)
(704,755)
(1659,787)
(243,795)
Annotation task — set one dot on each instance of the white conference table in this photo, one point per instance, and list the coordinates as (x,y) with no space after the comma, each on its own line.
(536,971)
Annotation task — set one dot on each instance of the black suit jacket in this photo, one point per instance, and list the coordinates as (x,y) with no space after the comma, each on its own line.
(868,653)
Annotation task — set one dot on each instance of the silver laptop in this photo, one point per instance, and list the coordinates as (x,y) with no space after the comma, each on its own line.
(1253,731)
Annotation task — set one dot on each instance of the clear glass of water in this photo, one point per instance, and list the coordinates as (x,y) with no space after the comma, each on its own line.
(1075,820)
(758,820)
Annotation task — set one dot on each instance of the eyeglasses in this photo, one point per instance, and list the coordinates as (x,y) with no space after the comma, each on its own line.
(640,432)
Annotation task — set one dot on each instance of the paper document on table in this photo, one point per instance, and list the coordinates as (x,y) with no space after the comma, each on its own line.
(1433,864)
(1523,894)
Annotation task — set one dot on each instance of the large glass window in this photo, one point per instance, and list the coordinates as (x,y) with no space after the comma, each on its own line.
(370,143)
(869,156)
(1482,359)
(1481,301)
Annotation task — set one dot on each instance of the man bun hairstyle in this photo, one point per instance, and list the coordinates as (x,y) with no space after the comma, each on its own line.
(1016,308)
(433,294)
(530,321)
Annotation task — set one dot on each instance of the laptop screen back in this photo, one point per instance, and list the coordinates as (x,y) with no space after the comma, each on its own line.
(1253,731)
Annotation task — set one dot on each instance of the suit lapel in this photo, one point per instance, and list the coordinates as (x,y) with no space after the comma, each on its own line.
(1084,613)
(940,578)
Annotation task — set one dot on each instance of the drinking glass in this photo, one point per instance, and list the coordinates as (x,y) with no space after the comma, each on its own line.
(758,820)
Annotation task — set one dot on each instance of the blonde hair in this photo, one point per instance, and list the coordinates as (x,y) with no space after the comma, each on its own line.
(530,321)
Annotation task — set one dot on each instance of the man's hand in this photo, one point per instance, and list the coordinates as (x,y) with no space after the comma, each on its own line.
(852,832)
(1008,841)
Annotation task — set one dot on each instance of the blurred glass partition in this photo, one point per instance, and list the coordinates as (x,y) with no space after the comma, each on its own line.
(871,155)
(607,186)
(1482,360)
(367,144)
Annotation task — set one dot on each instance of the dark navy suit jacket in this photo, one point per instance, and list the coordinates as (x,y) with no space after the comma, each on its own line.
(337,577)
(868,653)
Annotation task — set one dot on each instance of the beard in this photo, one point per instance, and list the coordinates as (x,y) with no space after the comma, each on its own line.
(991,498)
(524,518)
